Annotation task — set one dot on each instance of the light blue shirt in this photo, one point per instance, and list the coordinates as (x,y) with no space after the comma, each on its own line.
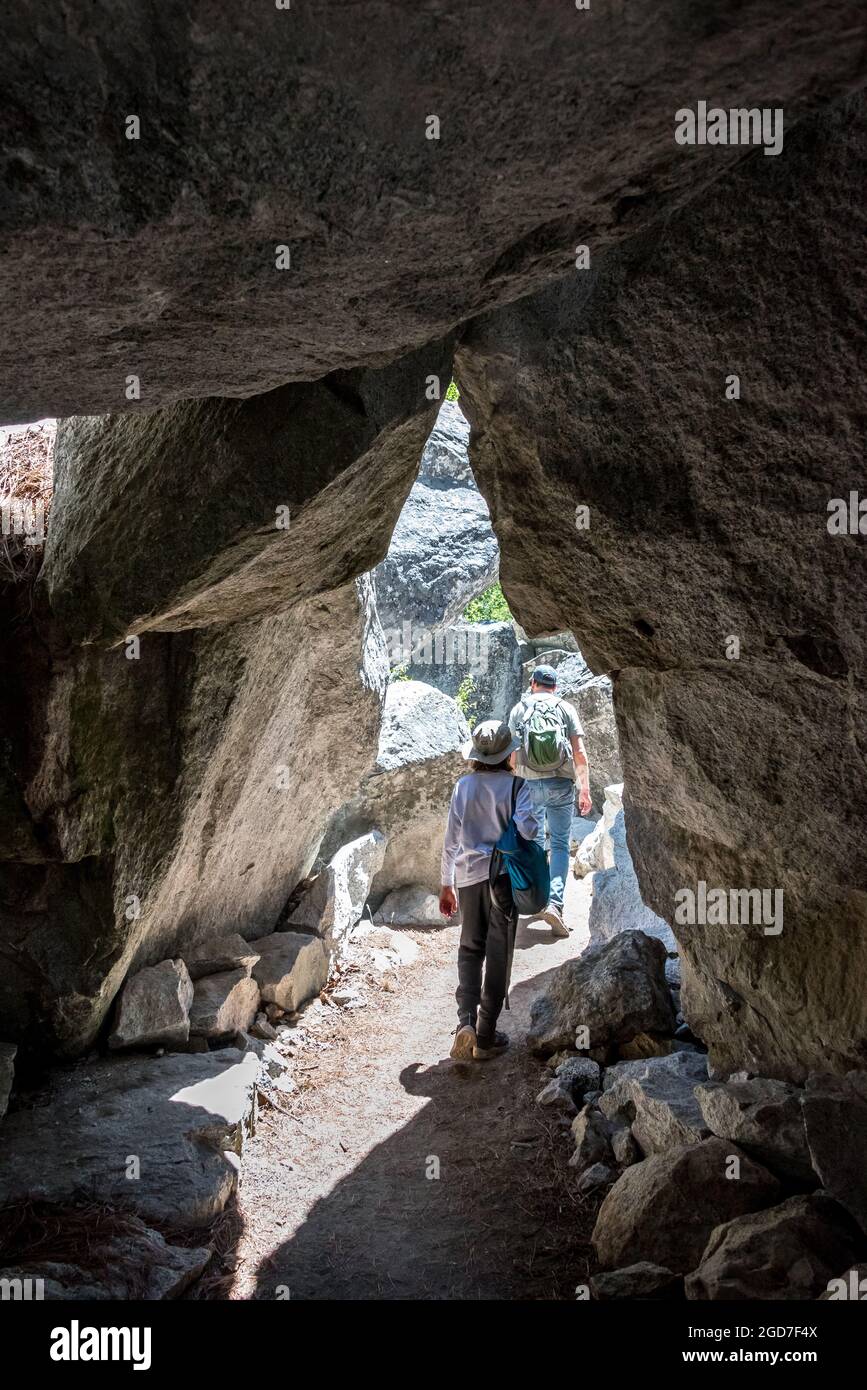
(480,809)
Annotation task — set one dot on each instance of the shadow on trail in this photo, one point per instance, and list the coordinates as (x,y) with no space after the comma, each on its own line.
(472,1199)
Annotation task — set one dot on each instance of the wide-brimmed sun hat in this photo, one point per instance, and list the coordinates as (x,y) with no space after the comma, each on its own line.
(492,741)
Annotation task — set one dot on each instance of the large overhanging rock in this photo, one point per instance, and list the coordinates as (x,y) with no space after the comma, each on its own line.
(172,798)
(708,522)
(266,132)
(217,511)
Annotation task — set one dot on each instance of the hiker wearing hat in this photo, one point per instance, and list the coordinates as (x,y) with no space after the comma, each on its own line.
(552,758)
(481,809)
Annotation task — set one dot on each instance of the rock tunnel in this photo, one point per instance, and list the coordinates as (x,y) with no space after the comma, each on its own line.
(243,256)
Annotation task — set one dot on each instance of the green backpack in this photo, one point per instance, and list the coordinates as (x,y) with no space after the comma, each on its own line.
(545,740)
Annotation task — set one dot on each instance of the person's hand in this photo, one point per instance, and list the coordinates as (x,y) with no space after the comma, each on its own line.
(585,803)
(448,902)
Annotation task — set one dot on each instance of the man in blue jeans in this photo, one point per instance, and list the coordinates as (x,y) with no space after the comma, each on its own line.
(553,760)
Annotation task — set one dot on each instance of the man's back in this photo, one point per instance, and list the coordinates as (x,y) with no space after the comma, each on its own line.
(571,725)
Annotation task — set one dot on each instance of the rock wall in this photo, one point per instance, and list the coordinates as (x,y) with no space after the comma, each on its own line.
(442,551)
(481,661)
(405,793)
(162,789)
(307,129)
(219,511)
(151,262)
(172,799)
(707,521)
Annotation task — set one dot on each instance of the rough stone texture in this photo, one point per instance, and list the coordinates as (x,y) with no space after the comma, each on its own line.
(176,778)
(410,907)
(306,129)
(595,851)
(646,1045)
(488,655)
(335,901)
(223,1004)
(624,1147)
(445,458)
(406,793)
(765,1119)
(581,1073)
(616,990)
(184,1116)
(788,1252)
(592,1135)
(154,1007)
(658,1098)
(139,1264)
(642,1280)
(442,551)
(155,779)
(709,519)
(7,1074)
(291,968)
(835,1118)
(664,1209)
(229,952)
(594,1178)
(295,492)
(557,1095)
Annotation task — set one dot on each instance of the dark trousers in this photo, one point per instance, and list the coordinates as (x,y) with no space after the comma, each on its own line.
(488,927)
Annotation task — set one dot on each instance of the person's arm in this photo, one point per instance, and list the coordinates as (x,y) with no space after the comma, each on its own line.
(451,844)
(515,728)
(582,772)
(525,814)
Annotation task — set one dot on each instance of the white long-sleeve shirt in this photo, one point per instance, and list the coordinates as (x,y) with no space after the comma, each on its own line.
(479,813)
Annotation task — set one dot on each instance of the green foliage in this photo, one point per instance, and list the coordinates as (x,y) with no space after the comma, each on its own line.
(453,394)
(467,700)
(489,607)
(399,673)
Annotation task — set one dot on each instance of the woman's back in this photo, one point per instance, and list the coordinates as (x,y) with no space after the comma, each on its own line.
(480,811)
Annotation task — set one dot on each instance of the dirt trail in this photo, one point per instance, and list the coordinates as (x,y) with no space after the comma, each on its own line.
(336,1201)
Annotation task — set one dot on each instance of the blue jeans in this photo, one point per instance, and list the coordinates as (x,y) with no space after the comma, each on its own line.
(554,801)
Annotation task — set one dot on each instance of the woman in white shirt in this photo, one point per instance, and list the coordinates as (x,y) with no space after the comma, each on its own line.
(480,810)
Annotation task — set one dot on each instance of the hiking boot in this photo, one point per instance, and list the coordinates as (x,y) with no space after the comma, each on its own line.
(488,1045)
(553,915)
(464,1045)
